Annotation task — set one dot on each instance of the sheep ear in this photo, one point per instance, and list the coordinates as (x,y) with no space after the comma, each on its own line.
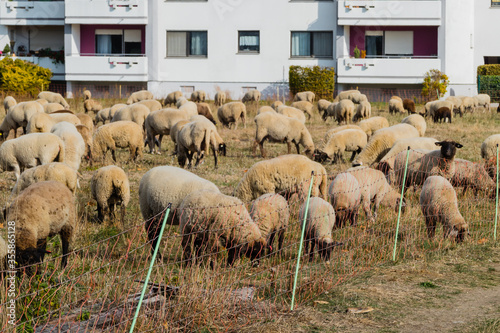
(458,145)
(438,143)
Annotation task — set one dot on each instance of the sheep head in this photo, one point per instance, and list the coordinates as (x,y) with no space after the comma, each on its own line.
(222,149)
(320,156)
(448,148)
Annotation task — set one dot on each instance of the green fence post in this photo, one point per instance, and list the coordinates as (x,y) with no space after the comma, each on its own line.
(400,205)
(496,204)
(150,267)
(301,241)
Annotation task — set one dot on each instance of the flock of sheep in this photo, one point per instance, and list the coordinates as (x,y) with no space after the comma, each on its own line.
(46,160)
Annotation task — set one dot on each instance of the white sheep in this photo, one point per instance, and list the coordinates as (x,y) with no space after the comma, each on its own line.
(198,96)
(119,134)
(468,104)
(438,201)
(353,140)
(86,120)
(489,153)
(29,151)
(251,96)
(291,173)
(139,96)
(416,121)
(103,116)
(8,103)
(279,128)
(345,197)
(363,111)
(43,122)
(305,107)
(271,213)
(359,98)
(371,125)
(331,111)
(135,112)
(346,94)
(432,107)
(172,98)
(276,105)
(213,221)
(190,108)
(56,171)
(265,108)
(41,101)
(396,106)
(180,102)
(344,111)
(335,130)
(86,134)
(484,100)
(307,96)
(74,145)
(92,105)
(292,113)
(18,116)
(175,130)
(160,123)
(220,98)
(53,97)
(468,174)
(110,187)
(87,94)
(230,113)
(323,105)
(457,104)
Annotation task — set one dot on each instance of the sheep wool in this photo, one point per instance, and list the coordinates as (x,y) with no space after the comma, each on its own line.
(251,96)
(305,107)
(231,113)
(110,187)
(307,96)
(203,109)
(323,105)
(220,98)
(43,122)
(139,96)
(52,97)
(92,105)
(198,96)
(373,124)
(8,103)
(18,116)
(56,171)
(468,174)
(151,104)
(160,123)
(363,111)
(172,98)
(292,113)
(119,134)
(352,140)
(416,121)
(265,108)
(74,145)
(135,112)
(276,105)
(345,197)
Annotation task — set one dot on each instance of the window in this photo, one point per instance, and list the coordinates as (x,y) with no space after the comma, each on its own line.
(247,89)
(388,43)
(187,89)
(317,44)
(491,60)
(248,41)
(374,43)
(495,3)
(118,41)
(186,43)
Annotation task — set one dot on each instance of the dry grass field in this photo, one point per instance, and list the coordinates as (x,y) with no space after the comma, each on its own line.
(435,286)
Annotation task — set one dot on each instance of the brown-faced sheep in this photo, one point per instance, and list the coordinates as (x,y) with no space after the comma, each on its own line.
(442,114)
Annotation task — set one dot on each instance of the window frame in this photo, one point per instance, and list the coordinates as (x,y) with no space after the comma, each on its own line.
(188,44)
(248,51)
(311,46)
(495,4)
(123,42)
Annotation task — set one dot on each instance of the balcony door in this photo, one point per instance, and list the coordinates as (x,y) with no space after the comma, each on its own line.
(117,41)
(374,43)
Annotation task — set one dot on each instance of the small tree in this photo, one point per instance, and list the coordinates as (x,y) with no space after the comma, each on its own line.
(6,49)
(23,77)
(435,82)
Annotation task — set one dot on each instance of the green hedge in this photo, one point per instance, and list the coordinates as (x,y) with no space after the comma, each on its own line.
(23,77)
(489,84)
(488,69)
(319,80)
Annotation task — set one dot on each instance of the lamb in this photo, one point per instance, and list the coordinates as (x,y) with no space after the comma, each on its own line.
(18,116)
(276,105)
(139,96)
(160,123)
(363,111)
(395,106)
(305,107)
(87,94)
(457,104)
(198,136)
(52,97)
(307,96)
(172,98)
(292,113)
(423,164)
(416,121)
(265,108)
(484,100)
(56,171)
(251,96)
(119,134)
(489,153)
(163,185)
(347,140)
(438,201)
(345,197)
(43,122)
(271,213)
(220,98)
(92,105)
(230,113)
(86,134)
(110,187)
(151,104)
(204,110)
(291,173)
(198,96)
(29,151)
(74,145)
(468,174)
(344,111)
(323,105)
(318,229)
(135,112)
(442,114)
(42,210)
(382,141)
(409,106)
(278,128)
(215,221)
(432,107)
(8,103)
(86,120)
(375,190)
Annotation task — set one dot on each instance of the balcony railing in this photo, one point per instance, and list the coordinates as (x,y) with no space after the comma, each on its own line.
(107,12)
(85,67)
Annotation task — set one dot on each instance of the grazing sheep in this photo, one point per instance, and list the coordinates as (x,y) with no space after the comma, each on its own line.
(382,141)
(56,171)
(359,98)
(175,130)
(331,111)
(344,111)
(151,104)
(318,229)
(416,121)
(87,94)
(29,151)
(110,187)
(409,106)
(43,122)
(271,213)
(8,103)
(335,130)
(139,96)
(92,105)
(265,108)
(468,174)
(423,164)
(172,98)
(220,98)
(74,145)
(190,108)
(103,116)
(347,140)
(346,94)
(484,100)
(276,105)
(41,101)
(135,112)
(292,113)
(438,201)
(396,106)
(18,116)
(215,221)
(53,97)
(230,113)
(468,104)
(115,108)
(180,102)
(52,107)
(398,98)
(345,197)
(375,190)
(457,105)
(291,173)
(251,96)
(278,128)
(323,105)
(305,107)
(86,120)
(442,114)
(198,96)
(307,96)
(204,110)
(160,123)
(119,134)
(432,107)
(42,210)
(363,111)
(489,153)
(86,134)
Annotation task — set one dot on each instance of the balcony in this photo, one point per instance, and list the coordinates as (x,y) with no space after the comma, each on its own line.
(389,13)
(107,12)
(409,70)
(31,12)
(57,69)
(107,68)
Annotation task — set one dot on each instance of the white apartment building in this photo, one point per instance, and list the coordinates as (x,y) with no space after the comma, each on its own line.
(236,45)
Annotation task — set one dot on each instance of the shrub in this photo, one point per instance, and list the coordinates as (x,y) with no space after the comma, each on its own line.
(488,69)
(320,80)
(435,82)
(6,49)
(22,77)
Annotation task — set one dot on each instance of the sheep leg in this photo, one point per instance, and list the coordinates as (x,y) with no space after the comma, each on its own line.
(231,256)
(311,253)
(270,242)
(65,234)
(112,210)
(158,142)
(289,146)
(366,208)
(100,213)
(298,148)
(151,142)
(431,226)
(281,237)
(122,215)
(215,157)
(262,150)
(113,155)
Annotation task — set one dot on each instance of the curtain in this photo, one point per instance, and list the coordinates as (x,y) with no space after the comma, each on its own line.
(301,44)
(322,44)
(176,44)
(246,41)
(198,43)
(103,44)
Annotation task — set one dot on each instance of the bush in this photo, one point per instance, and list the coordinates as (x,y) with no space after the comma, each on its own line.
(23,77)
(435,82)
(488,69)
(319,80)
